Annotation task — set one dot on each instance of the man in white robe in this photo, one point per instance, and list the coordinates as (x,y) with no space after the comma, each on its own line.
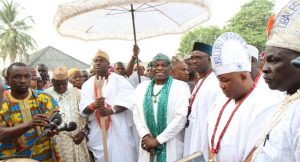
(176,107)
(266,104)
(116,101)
(204,93)
(256,75)
(234,117)
(68,98)
(280,139)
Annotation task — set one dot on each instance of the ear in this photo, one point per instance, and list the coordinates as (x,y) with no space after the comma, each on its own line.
(70,80)
(171,72)
(243,76)
(209,60)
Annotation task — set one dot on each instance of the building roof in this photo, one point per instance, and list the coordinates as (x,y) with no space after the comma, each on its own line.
(53,58)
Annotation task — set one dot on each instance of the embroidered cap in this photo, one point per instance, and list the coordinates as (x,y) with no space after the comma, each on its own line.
(102,54)
(71,71)
(60,73)
(206,48)
(161,57)
(285,31)
(230,54)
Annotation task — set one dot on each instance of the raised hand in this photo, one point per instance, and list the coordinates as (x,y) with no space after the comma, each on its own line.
(136,50)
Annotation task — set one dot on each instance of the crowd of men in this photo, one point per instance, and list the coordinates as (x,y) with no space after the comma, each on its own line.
(217,101)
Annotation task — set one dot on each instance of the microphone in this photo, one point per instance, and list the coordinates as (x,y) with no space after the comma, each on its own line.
(69,127)
(55,121)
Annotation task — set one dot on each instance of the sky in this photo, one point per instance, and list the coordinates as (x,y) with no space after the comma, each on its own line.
(45,34)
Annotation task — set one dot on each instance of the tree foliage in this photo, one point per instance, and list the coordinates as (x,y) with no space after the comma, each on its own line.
(250,22)
(206,35)
(14,41)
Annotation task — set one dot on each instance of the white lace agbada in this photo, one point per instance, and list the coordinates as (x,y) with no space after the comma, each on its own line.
(69,108)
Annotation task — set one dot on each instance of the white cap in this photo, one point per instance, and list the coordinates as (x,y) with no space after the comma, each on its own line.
(253,51)
(286,28)
(230,53)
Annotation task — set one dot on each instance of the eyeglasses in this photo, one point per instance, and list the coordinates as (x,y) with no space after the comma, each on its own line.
(198,57)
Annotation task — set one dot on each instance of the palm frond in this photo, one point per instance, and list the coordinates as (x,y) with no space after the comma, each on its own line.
(14,41)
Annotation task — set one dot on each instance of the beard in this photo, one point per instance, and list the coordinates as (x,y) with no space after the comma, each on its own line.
(23,89)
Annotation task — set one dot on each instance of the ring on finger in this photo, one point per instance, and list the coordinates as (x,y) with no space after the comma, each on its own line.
(144,146)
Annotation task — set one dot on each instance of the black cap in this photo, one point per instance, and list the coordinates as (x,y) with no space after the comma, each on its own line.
(296,62)
(206,48)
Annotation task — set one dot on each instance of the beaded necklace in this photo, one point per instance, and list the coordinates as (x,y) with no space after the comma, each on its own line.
(197,89)
(192,99)
(214,150)
(155,95)
(257,77)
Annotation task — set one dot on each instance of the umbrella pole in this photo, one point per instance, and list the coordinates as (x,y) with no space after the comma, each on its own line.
(103,121)
(134,34)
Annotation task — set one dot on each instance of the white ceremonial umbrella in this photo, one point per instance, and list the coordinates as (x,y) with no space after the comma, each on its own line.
(128,19)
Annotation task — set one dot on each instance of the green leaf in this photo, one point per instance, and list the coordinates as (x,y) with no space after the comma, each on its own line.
(13,38)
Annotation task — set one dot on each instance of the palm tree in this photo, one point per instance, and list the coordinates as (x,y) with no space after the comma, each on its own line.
(14,41)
